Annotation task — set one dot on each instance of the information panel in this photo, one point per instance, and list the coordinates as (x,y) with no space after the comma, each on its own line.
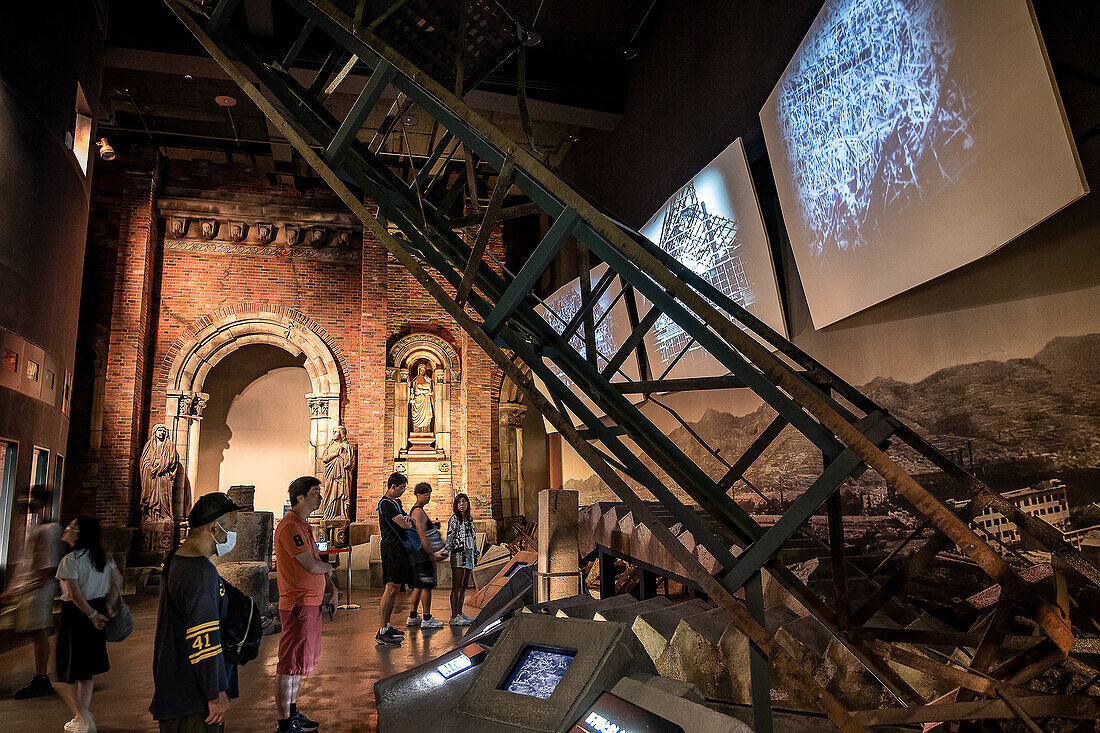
(713,226)
(911,137)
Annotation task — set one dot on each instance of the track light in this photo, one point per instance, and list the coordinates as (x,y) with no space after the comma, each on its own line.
(105,150)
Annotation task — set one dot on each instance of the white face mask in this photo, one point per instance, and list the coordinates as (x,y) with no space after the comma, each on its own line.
(223,548)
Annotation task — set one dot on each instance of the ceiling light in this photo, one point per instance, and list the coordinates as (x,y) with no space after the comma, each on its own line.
(188,77)
(105,150)
(627,53)
(572,137)
(409,120)
(223,101)
(530,38)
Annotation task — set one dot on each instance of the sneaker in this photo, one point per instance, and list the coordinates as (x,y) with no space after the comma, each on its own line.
(459,620)
(388,638)
(468,619)
(76,725)
(431,623)
(305,723)
(37,687)
(413,621)
(295,727)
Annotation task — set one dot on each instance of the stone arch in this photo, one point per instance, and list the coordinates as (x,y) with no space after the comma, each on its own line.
(213,337)
(407,349)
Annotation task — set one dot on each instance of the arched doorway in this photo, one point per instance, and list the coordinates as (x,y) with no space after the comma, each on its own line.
(219,335)
(255,427)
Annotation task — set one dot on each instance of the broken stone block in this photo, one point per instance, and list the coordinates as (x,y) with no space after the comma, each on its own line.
(693,654)
(655,628)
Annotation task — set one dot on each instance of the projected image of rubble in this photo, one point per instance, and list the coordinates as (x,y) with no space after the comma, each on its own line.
(538,672)
(706,244)
(870,116)
(563,305)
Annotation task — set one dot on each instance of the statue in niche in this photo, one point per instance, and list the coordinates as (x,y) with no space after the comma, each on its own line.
(339,460)
(420,403)
(159,465)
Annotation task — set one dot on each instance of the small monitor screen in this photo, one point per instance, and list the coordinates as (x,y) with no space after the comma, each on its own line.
(538,671)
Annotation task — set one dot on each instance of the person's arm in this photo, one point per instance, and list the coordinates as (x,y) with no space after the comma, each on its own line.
(388,510)
(452,528)
(420,521)
(313,564)
(73,588)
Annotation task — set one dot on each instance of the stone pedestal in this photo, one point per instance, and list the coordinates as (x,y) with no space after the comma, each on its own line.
(243,496)
(336,532)
(558,548)
(250,578)
(157,540)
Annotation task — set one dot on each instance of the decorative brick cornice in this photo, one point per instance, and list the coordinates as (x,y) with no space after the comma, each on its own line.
(198,246)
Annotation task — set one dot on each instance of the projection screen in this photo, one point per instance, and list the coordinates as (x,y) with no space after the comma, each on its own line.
(911,137)
(714,227)
(612,327)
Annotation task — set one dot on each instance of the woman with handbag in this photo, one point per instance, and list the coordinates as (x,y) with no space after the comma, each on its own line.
(422,562)
(462,546)
(87,575)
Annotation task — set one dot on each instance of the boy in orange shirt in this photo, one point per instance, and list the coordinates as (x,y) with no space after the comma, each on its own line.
(303,579)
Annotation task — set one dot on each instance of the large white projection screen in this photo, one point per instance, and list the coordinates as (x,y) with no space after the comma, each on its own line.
(713,226)
(911,137)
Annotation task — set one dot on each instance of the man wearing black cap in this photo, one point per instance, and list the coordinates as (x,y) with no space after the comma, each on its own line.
(193,682)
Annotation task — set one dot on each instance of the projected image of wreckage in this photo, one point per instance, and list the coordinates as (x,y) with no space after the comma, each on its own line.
(706,244)
(868,100)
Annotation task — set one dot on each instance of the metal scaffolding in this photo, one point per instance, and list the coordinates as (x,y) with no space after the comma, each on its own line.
(497,309)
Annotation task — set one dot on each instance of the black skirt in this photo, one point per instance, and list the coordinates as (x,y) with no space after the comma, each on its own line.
(81,647)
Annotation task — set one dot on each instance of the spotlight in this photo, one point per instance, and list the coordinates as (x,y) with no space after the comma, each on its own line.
(105,150)
(571,137)
(530,38)
(627,53)
(223,101)
(409,120)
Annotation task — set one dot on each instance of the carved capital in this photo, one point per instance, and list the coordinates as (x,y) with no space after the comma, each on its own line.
(266,232)
(177,226)
(293,235)
(237,231)
(511,414)
(318,406)
(391,374)
(318,236)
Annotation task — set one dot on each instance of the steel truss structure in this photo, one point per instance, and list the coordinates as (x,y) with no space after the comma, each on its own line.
(497,309)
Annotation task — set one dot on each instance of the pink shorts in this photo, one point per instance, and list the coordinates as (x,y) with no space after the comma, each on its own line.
(300,643)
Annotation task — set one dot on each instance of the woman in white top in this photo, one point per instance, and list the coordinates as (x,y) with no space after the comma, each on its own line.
(87,577)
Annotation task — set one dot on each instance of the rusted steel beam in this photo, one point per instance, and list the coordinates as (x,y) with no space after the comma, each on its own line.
(840,573)
(754,451)
(1039,706)
(688,384)
(963,678)
(488,222)
(508,212)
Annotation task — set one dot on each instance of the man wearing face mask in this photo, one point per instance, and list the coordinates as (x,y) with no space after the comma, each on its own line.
(303,579)
(193,681)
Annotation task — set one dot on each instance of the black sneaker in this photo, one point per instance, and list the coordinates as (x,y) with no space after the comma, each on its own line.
(305,723)
(388,638)
(295,727)
(39,686)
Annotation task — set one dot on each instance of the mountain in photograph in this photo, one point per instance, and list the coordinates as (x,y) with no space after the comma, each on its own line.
(1015,422)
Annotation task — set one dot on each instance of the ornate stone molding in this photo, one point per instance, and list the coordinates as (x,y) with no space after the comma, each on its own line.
(401,350)
(326,254)
(318,406)
(511,414)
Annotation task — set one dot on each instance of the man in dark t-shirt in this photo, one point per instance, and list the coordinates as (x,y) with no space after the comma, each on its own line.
(395,561)
(192,680)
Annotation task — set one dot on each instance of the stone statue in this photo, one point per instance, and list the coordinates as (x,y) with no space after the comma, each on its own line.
(420,404)
(159,464)
(339,460)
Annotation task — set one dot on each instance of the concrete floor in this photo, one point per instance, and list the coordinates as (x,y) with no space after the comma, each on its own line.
(339,695)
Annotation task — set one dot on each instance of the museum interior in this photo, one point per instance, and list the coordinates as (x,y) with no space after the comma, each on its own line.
(750,352)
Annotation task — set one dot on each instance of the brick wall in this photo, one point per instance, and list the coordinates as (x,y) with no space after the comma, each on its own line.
(359,305)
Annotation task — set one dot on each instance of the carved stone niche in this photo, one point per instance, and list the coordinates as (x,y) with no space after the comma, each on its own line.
(177,226)
(343,239)
(266,232)
(208,228)
(237,231)
(293,235)
(318,236)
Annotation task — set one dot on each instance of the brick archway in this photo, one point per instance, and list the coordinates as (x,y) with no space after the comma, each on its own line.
(215,336)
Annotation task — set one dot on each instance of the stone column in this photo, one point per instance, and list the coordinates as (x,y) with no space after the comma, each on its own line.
(183,416)
(553,458)
(558,548)
(324,416)
(400,377)
(511,458)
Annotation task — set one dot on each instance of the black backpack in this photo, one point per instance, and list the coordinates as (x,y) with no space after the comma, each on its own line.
(241,626)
